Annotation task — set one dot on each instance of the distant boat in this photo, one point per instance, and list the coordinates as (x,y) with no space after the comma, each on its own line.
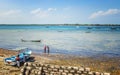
(98,28)
(60,31)
(87,32)
(113,28)
(47,26)
(30,40)
(89,27)
(77,26)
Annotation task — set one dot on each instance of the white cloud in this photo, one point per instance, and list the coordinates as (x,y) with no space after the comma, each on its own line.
(36,11)
(11,16)
(42,13)
(104,13)
(52,9)
(9,13)
(39,13)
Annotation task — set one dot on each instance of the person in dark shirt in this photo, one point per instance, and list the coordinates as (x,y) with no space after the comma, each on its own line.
(18,61)
(24,58)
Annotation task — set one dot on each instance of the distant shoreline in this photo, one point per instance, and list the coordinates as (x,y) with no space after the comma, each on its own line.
(62,24)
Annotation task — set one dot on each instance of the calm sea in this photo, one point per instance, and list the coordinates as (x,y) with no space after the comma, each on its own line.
(75,40)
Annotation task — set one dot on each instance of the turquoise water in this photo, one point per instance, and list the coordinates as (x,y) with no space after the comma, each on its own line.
(76,40)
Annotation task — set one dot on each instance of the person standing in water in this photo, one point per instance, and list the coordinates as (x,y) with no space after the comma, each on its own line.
(48,49)
(45,48)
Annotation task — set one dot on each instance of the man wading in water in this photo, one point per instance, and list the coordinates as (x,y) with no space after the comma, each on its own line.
(48,49)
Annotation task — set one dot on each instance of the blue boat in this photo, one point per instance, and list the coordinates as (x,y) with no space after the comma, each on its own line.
(23,52)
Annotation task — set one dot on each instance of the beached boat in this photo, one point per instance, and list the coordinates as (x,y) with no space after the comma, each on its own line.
(24,54)
(30,40)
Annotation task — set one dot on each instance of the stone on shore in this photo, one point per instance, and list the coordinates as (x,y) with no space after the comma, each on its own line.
(47,69)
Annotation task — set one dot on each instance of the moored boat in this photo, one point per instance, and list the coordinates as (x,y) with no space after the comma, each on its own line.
(30,40)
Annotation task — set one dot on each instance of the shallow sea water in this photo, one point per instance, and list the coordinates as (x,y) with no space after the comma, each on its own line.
(75,40)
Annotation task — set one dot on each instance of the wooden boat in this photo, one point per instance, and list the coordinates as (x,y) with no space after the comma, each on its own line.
(30,40)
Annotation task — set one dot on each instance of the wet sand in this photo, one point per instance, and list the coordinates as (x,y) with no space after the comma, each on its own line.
(99,63)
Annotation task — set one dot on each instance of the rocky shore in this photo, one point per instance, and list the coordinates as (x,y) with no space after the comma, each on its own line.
(47,69)
(62,65)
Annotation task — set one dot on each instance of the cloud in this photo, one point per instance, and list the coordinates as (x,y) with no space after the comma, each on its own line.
(9,13)
(39,13)
(36,11)
(10,16)
(52,9)
(104,13)
(42,13)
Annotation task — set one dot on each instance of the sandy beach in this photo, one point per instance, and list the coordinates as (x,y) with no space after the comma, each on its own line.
(99,64)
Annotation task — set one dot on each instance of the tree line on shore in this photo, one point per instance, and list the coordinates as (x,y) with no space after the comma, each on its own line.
(67,24)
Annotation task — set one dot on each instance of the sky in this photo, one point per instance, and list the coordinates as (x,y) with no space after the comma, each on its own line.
(59,11)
